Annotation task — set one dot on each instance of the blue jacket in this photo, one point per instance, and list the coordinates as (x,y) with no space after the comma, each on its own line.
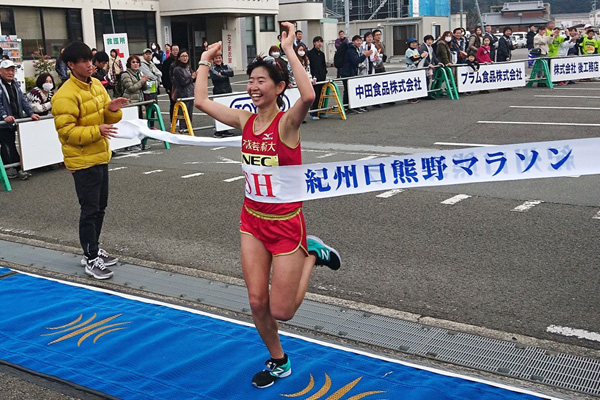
(6,110)
(351,61)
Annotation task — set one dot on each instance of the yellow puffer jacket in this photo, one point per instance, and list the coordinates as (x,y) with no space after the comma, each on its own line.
(79,109)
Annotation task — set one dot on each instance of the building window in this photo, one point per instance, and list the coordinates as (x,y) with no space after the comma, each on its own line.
(48,29)
(140,27)
(267,23)
(7,21)
(250,39)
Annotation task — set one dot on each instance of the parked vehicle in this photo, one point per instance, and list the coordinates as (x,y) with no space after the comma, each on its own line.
(519,39)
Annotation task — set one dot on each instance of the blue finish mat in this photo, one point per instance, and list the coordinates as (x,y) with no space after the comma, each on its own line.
(133,349)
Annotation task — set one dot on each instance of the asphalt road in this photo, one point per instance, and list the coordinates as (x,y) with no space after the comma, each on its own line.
(477,262)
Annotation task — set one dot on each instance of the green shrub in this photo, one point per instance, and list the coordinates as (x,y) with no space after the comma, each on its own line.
(29,83)
(42,63)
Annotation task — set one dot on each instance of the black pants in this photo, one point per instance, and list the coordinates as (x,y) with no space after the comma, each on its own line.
(8,148)
(345,95)
(315,104)
(91,185)
(171,105)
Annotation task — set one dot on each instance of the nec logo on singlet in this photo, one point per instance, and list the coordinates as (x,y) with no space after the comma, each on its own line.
(260,160)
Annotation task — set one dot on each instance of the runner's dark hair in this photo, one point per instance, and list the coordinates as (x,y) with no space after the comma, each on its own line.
(276,71)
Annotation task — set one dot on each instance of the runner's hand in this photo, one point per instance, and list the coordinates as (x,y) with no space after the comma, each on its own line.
(212,51)
(287,37)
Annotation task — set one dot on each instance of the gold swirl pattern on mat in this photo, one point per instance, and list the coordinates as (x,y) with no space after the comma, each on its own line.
(337,395)
(86,328)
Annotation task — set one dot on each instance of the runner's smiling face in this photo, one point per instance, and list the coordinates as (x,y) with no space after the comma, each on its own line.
(262,89)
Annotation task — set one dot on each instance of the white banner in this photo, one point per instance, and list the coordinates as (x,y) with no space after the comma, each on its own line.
(449,167)
(491,76)
(242,101)
(119,42)
(386,88)
(137,129)
(573,68)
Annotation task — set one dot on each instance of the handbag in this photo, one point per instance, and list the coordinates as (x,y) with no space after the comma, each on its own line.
(536,52)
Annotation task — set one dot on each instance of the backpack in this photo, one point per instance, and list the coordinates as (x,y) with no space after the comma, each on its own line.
(340,54)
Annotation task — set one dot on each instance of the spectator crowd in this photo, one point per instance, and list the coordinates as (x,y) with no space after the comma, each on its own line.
(141,77)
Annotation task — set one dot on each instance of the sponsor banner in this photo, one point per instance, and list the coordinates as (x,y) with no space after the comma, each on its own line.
(386,88)
(572,68)
(449,167)
(119,42)
(491,76)
(242,101)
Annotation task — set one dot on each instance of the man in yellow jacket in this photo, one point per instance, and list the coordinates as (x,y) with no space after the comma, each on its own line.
(84,116)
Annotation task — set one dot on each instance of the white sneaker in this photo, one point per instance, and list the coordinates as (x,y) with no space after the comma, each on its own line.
(95,268)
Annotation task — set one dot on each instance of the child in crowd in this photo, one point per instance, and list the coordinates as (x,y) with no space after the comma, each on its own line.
(412,55)
(472,62)
(483,53)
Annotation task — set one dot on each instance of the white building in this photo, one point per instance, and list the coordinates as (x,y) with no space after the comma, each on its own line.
(246,27)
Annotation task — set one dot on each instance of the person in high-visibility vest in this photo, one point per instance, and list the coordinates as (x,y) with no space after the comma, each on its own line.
(589,45)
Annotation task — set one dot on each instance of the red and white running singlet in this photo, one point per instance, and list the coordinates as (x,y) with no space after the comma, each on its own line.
(267,149)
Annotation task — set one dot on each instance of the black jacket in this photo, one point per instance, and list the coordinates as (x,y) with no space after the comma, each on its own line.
(220,74)
(167,71)
(504,49)
(530,36)
(318,66)
(351,61)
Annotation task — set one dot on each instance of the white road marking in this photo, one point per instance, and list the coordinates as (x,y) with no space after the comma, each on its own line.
(192,175)
(390,193)
(579,333)
(527,205)
(137,154)
(326,155)
(536,123)
(574,88)
(218,148)
(116,169)
(557,108)
(237,178)
(227,161)
(453,200)
(597,216)
(567,97)
(463,144)
(367,158)
(153,171)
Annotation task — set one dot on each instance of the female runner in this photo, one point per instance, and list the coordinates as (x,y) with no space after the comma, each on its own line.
(273,235)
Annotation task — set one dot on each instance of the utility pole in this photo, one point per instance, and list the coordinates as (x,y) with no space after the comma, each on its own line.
(347,16)
(479,14)
(112,20)
(461,14)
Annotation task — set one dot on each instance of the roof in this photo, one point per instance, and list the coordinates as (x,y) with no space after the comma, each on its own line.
(523,6)
(496,19)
